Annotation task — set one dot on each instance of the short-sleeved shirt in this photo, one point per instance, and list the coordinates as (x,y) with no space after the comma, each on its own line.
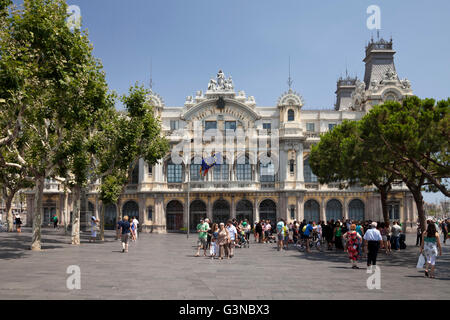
(232,231)
(373,235)
(280,226)
(203,227)
(308,230)
(396,230)
(125,226)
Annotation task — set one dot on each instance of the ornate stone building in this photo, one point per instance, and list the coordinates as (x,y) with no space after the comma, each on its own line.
(253,182)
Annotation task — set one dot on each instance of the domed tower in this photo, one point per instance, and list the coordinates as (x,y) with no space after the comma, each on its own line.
(291,140)
(156,101)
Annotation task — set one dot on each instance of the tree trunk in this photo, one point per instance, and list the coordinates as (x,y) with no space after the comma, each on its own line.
(9,216)
(418,199)
(102,222)
(66,213)
(384,207)
(76,191)
(37,215)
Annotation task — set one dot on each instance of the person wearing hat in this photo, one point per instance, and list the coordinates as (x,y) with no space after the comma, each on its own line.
(373,241)
(94,227)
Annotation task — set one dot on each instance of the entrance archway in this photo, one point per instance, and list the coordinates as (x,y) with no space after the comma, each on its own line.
(221,211)
(110,216)
(356,210)
(130,209)
(197,211)
(312,211)
(174,216)
(244,210)
(334,210)
(268,211)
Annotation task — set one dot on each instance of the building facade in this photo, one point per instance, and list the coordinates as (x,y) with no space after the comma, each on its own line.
(265,172)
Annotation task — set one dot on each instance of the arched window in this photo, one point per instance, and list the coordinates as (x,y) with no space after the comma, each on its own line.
(267,172)
(221,211)
(244,210)
(197,211)
(291,115)
(174,215)
(130,209)
(244,170)
(195,170)
(149,213)
(221,171)
(268,211)
(334,210)
(312,211)
(174,172)
(307,172)
(356,210)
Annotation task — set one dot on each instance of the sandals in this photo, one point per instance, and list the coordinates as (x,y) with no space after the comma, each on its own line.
(426,274)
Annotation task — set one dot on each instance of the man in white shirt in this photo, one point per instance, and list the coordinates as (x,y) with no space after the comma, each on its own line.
(373,241)
(395,235)
(136,223)
(233,237)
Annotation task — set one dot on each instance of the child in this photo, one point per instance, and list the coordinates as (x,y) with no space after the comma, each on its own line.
(215,235)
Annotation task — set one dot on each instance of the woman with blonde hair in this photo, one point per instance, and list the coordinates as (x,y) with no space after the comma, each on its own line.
(353,240)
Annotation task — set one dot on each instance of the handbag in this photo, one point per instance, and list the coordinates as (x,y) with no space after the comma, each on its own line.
(420,262)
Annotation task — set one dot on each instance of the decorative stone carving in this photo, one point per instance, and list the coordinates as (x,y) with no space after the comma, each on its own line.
(155,100)
(290,98)
(359,95)
(221,84)
(212,86)
(406,84)
(390,75)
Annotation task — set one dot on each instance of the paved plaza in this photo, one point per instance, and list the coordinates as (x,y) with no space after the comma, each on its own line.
(163,266)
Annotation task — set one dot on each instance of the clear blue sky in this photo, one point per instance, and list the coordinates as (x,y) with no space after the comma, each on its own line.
(189,40)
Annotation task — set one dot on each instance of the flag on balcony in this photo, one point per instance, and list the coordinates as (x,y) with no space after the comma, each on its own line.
(210,162)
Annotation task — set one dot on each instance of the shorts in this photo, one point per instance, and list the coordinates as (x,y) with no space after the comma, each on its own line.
(384,238)
(280,237)
(266,234)
(202,242)
(125,237)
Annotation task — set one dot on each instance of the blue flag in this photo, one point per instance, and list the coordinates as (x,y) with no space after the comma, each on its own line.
(210,162)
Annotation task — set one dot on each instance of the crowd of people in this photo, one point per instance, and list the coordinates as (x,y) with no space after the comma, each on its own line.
(357,238)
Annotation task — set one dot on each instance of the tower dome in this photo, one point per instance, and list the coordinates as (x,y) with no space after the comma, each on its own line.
(290,98)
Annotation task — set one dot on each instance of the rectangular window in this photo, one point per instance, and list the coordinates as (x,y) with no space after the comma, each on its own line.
(150,170)
(174,125)
(210,125)
(267,126)
(267,173)
(174,173)
(220,172)
(292,213)
(149,214)
(230,125)
(292,166)
(331,126)
(310,127)
(195,172)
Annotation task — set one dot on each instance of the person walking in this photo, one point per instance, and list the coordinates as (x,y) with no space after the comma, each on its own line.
(353,240)
(280,237)
(267,229)
(202,230)
(94,227)
(395,235)
(258,232)
(232,231)
(118,226)
(307,234)
(135,228)
(222,240)
(444,229)
(18,222)
(373,241)
(430,244)
(337,236)
(213,249)
(209,234)
(124,227)
(418,235)
(55,222)
(286,237)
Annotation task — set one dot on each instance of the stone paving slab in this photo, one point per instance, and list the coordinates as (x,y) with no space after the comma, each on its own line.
(164,267)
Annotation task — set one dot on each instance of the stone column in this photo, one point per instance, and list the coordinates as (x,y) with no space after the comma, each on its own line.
(299,160)
(209,212)
(97,207)
(255,211)
(345,209)
(141,170)
(300,208)
(323,215)
(233,208)
(142,209)
(160,217)
(283,165)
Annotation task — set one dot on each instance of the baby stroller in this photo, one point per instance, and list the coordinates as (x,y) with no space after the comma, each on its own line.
(243,242)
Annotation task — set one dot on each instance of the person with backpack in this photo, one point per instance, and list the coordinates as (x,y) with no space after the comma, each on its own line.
(280,236)
(125,228)
(337,236)
(55,222)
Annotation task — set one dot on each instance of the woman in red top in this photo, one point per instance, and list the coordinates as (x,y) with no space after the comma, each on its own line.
(353,242)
